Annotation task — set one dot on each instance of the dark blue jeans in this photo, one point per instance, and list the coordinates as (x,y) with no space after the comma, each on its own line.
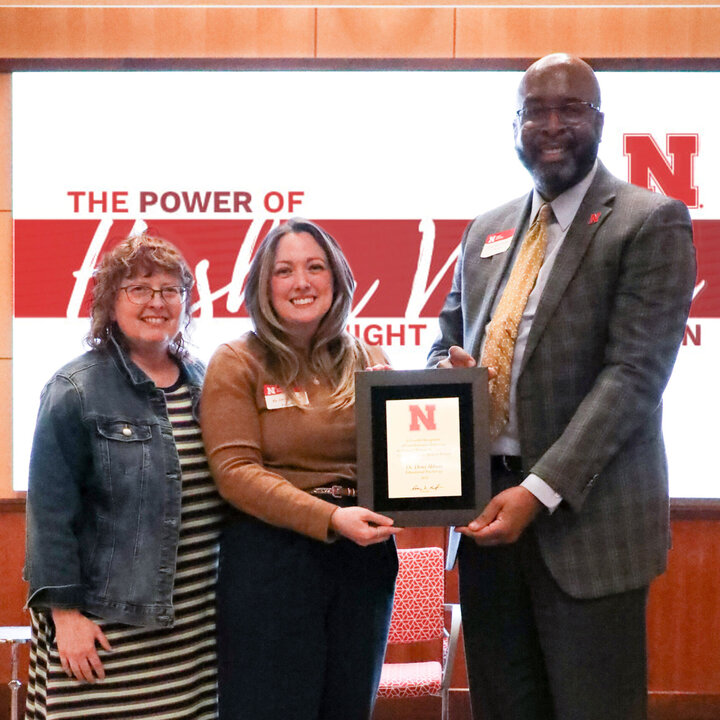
(302,625)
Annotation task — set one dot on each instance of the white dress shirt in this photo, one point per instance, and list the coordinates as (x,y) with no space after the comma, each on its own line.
(564,207)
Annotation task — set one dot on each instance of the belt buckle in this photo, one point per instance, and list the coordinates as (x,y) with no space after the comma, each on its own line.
(510,463)
(336,491)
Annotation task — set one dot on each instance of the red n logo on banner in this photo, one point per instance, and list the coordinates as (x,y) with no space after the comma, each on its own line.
(671,173)
(427,418)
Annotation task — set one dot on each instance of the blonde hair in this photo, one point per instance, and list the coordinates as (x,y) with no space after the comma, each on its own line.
(334,353)
(141,254)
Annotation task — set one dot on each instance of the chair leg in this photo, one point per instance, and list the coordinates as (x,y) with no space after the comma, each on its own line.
(446,704)
(14,682)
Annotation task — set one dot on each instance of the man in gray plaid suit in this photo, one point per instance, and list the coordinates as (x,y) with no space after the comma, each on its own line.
(554,572)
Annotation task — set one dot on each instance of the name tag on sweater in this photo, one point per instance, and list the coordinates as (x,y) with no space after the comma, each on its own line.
(275,398)
(497,242)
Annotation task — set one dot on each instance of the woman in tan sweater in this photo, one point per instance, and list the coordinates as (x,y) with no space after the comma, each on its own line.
(306,576)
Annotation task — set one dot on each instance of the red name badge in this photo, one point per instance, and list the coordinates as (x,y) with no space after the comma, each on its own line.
(497,242)
(275,397)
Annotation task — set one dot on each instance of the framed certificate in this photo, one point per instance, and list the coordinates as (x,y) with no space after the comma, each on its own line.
(422,444)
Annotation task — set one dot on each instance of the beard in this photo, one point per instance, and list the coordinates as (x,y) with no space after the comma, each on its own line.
(553,178)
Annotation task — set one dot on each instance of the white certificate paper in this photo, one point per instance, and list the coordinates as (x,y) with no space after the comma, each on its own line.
(423,447)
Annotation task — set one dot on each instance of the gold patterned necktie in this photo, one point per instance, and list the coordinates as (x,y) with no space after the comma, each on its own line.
(502,331)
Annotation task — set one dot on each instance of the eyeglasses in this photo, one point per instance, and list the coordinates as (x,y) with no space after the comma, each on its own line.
(141,294)
(572,113)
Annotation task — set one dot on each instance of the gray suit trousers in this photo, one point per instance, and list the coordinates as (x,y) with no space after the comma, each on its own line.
(536,653)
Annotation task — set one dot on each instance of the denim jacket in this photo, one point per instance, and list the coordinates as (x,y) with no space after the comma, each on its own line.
(103,504)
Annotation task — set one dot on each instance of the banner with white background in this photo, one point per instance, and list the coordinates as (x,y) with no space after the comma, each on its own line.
(392,163)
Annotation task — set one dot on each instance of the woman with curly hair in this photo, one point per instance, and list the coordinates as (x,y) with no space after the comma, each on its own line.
(122,516)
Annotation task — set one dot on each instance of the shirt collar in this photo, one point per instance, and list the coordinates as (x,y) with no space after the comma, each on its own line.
(565,205)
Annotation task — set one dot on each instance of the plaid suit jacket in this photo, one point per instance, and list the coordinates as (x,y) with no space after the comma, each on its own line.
(599,354)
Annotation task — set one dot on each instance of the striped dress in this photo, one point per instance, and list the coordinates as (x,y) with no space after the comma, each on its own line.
(165,673)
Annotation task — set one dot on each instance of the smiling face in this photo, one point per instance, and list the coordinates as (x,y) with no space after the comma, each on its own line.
(301,285)
(153,325)
(557,152)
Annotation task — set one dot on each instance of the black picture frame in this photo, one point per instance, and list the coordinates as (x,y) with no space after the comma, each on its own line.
(373,390)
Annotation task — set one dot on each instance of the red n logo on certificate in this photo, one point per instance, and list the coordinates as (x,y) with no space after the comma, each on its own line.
(427,418)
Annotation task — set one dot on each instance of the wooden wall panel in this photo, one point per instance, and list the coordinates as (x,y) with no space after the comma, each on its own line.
(5,141)
(592,32)
(157,32)
(6,490)
(237,4)
(6,279)
(12,556)
(5,290)
(5,225)
(385,33)
(684,612)
(12,592)
(396,30)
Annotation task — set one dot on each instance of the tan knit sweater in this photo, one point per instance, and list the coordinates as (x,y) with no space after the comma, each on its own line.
(262,459)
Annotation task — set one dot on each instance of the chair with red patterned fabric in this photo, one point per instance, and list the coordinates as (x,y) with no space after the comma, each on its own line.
(418,615)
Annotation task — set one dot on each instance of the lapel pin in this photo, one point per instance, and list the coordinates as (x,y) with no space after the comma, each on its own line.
(594,218)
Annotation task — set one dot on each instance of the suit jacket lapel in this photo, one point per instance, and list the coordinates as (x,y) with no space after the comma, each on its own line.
(598,199)
(498,268)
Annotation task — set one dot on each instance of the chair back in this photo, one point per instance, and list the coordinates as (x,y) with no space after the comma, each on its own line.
(418,612)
